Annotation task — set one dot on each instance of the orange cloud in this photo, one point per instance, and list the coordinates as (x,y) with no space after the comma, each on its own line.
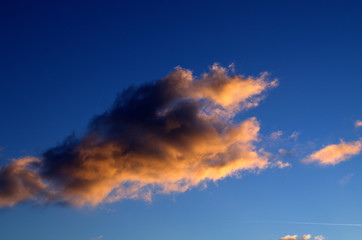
(163,137)
(289,237)
(20,181)
(358,123)
(232,93)
(304,237)
(281,164)
(335,153)
(101,175)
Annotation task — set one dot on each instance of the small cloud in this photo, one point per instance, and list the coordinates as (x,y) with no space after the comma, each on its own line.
(304,237)
(320,237)
(285,153)
(289,237)
(358,123)
(108,209)
(335,153)
(276,135)
(97,238)
(294,135)
(346,179)
(280,164)
(232,67)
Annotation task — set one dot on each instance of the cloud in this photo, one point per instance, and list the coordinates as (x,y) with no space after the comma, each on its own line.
(346,179)
(335,153)
(320,223)
(289,237)
(358,123)
(304,237)
(320,237)
(97,238)
(276,135)
(295,135)
(285,153)
(162,137)
(20,181)
(281,164)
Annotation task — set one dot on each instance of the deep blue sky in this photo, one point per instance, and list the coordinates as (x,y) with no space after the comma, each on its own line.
(63,62)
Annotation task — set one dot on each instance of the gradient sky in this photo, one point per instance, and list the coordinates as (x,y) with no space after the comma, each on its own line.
(61,63)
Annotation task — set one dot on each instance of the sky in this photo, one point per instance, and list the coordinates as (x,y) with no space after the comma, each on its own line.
(180,120)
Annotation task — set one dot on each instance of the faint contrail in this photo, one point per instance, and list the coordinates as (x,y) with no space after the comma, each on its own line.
(316,223)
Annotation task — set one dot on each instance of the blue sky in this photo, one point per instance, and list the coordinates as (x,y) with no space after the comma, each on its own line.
(64,62)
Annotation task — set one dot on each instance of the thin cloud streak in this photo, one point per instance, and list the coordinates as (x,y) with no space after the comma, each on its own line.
(315,223)
(346,179)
